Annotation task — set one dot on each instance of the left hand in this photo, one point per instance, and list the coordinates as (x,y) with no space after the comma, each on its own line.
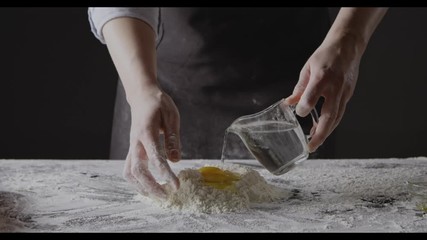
(331,72)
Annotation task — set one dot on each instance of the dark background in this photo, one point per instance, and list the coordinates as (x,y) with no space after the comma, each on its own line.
(58,87)
(387,116)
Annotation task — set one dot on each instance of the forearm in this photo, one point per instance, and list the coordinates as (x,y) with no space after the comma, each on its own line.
(131,43)
(357,25)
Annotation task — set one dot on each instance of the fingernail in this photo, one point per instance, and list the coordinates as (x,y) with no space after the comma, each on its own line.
(290,100)
(174,154)
(312,149)
(302,110)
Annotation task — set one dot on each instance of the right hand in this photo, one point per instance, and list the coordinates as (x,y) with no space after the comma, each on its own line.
(153,112)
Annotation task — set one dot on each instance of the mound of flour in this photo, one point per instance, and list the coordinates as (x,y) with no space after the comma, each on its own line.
(196,197)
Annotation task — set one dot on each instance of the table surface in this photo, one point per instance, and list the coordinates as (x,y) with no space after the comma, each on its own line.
(349,195)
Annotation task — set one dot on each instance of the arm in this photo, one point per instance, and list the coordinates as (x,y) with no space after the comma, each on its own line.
(131,43)
(332,70)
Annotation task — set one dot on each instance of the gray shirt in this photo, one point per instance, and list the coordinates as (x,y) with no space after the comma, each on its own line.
(99,16)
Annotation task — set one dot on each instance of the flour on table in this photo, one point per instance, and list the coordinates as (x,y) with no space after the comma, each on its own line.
(196,197)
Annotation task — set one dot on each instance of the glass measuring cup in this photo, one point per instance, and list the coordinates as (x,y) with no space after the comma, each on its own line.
(274,137)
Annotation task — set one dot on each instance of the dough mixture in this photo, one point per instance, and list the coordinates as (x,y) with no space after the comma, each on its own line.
(221,188)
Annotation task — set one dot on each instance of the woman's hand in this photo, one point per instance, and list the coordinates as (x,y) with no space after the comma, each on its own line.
(131,43)
(331,72)
(153,113)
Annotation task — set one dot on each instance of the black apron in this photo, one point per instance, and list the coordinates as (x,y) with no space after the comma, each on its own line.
(218,64)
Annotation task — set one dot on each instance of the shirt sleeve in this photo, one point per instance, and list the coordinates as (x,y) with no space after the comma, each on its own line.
(99,16)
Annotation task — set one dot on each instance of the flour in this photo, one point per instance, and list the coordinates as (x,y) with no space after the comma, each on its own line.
(359,195)
(194,196)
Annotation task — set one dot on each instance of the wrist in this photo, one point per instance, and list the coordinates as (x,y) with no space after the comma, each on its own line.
(141,89)
(351,40)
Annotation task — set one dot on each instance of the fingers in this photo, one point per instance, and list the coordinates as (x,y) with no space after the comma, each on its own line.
(137,167)
(343,104)
(139,170)
(127,174)
(314,84)
(331,72)
(327,120)
(336,98)
(153,152)
(306,92)
(158,113)
(311,95)
(172,141)
(172,146)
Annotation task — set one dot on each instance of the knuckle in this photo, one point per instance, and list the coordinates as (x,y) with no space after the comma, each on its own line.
(348,90)
(329,75)
(299,87)
(328,117)
(321,136)
(311,98)
(321,74)
(303,73)
(334,114)
(328,71)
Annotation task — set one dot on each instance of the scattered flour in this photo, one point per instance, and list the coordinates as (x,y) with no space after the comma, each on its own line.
(359,195)
(196,197)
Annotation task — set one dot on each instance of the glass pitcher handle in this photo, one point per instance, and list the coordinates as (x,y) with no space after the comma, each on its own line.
(314,116)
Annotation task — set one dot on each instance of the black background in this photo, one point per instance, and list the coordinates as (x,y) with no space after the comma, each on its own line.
(58,87)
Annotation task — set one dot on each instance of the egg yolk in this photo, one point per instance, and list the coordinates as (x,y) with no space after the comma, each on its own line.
(218,178)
